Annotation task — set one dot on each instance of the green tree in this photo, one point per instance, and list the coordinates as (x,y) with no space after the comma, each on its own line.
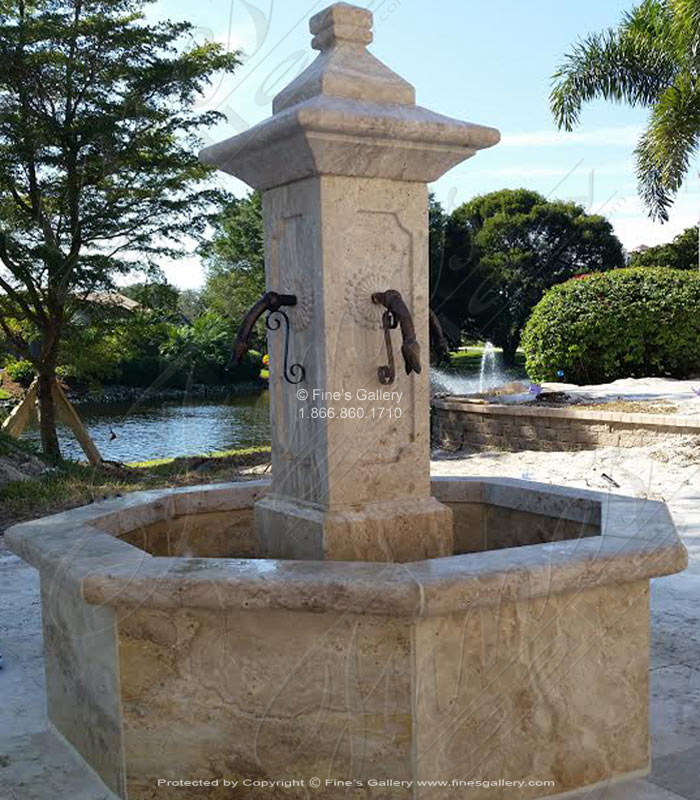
(115,345)
(503,250)
(442,332)
(235,262)
(681,253)
(651,61)
(202,350)
(159,296)
(449,250)
(191,304)
(98,143)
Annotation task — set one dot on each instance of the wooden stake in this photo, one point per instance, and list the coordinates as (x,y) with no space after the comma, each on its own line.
(69,415)
(20,415)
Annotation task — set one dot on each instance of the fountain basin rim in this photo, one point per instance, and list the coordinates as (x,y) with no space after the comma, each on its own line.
(638,541)
(457,402)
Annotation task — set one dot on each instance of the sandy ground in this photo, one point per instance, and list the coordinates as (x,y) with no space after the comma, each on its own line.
(659,471)
(34,765)
(681,394)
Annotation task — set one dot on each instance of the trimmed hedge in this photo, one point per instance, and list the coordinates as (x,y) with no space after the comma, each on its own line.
(633,322)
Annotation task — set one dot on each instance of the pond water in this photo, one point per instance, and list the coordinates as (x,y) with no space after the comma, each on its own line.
(168,429)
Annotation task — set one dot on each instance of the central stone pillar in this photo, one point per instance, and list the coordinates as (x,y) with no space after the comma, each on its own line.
(343,165)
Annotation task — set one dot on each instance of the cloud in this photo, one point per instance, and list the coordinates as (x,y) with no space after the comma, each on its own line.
(533,170)
(634,227)
(619,136)
(185,273)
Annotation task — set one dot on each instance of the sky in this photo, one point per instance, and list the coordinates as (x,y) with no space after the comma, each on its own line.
(488,63)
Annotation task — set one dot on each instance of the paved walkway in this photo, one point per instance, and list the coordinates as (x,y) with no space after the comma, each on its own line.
(34,765)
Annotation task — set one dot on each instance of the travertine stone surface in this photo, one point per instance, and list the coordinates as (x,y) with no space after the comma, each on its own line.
(264,695)
(478,527)
(400,530)
(82,678)
(343,165)
(211,534)
(333,241)
(554,689)
(530,660)
(345,68)
(338,240)
(497,516)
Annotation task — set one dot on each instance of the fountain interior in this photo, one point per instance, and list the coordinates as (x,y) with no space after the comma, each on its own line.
(478,526)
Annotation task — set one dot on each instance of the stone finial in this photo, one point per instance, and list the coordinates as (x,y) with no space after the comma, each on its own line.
(344,67)
(341,23)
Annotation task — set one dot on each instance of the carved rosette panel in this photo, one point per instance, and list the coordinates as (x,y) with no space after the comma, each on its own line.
(393,268)
(359,289)
(293,282)
(390,246)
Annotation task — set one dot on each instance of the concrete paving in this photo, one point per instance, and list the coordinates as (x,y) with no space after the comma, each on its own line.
(36,765)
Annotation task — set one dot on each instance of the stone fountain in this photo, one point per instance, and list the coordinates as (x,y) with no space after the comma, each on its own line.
(351,628)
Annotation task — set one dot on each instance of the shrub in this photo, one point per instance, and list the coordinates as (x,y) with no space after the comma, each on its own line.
(21,371)
(202,351)
(624,323)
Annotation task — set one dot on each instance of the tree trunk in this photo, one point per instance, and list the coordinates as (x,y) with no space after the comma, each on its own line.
(438,343)
(47,415)
(509,349)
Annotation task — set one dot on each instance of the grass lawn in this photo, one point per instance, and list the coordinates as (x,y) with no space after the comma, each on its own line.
(71,484)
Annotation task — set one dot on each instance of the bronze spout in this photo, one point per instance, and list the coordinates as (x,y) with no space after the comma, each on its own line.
(270,301)
(410,349)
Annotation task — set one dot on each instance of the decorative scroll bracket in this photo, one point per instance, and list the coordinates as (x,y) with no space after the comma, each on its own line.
(272,302)
(292,373)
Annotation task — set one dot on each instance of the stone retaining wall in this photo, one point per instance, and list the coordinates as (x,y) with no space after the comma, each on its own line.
(460,423)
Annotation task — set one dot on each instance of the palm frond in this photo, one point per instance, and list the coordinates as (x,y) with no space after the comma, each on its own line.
(626,65)
(686,29)
(665,150)
(651,18)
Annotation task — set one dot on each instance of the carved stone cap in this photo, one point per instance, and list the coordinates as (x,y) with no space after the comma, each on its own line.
(344,67)
(336,136)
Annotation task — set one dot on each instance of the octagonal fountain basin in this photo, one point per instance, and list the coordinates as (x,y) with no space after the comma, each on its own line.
(174,653)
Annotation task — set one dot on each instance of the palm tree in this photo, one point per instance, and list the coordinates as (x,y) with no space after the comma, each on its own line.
(651,60)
